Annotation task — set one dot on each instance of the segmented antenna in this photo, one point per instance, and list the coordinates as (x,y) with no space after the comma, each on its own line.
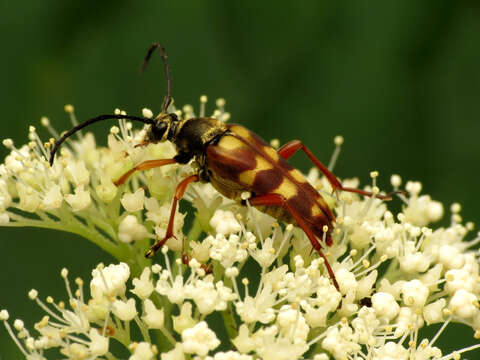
(73,130)
(167,100)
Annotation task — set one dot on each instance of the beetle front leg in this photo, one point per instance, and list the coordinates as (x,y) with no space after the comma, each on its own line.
(179,192)
(146,165)
(279,200)
(290,148)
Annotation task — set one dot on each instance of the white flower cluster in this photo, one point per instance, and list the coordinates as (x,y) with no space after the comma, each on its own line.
(396,273)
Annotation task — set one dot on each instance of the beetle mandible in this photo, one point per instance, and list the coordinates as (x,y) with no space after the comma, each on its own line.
(235,160)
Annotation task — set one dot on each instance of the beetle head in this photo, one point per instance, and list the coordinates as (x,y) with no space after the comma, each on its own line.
(160,130)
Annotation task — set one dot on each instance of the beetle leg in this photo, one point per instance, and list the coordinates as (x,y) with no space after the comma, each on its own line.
(179,192)
(279,200)
(186,260)
(290,148)
(146,165)
(143,143)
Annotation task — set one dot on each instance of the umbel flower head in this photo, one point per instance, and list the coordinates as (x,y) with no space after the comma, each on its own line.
(397,273)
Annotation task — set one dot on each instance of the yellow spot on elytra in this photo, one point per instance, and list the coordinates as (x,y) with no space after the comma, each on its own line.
(287,189)
(248,176)
(297,176)
(262,164)
(271,152)
(316,210)
(230,143)
(241,131)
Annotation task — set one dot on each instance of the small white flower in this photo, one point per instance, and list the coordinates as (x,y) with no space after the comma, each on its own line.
(29,199)
(340,342)
(98,343)
(391,351)
(364,325)
(174,290)
(133,202)
(53,198)
(450,257)
(224,222)
(107,190)
(199,339)
(3,315)
(143,286)
(385,305)
(77,173)
(131,230)
(244,342)
(414,293)
(365,285)
(174,354)
(124,310)
(272,346)
(346,280)
(75,351)
(266,255)
(201,250)
(109,281)
(147,113)
(142,351)
(433,313)
(464,304)
(80,200)
(209,296)
(226,251)
(406,319)
(229,355)
(153,317)
(292,324)
(259,308)
(414,262)
(459,279)
(184,320)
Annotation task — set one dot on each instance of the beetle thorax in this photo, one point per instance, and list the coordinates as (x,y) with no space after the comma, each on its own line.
(192,136)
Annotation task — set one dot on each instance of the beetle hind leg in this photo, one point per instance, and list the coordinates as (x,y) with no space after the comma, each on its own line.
(279,200)
(290,148)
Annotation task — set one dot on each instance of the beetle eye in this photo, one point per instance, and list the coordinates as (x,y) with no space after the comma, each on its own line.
(158,130)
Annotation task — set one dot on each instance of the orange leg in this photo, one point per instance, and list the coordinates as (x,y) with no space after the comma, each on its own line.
(146,165)
(290,148)
(279,200)
(186,261)
(179,192)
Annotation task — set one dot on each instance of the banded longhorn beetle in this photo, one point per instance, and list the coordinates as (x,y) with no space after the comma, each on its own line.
(235,160)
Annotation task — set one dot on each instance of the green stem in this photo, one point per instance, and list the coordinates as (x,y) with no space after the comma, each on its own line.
(168,336)
(195,231)
(391,274)
(104,225)
(69,224)
(110,356)
(143,330)
(163,342)
(227,315)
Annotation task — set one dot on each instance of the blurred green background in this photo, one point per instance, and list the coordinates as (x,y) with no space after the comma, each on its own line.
(399,80)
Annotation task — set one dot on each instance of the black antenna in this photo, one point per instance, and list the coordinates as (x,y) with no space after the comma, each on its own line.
(89,122)
(167,100)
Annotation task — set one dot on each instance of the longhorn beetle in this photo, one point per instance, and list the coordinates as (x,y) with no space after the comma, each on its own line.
(235,160)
